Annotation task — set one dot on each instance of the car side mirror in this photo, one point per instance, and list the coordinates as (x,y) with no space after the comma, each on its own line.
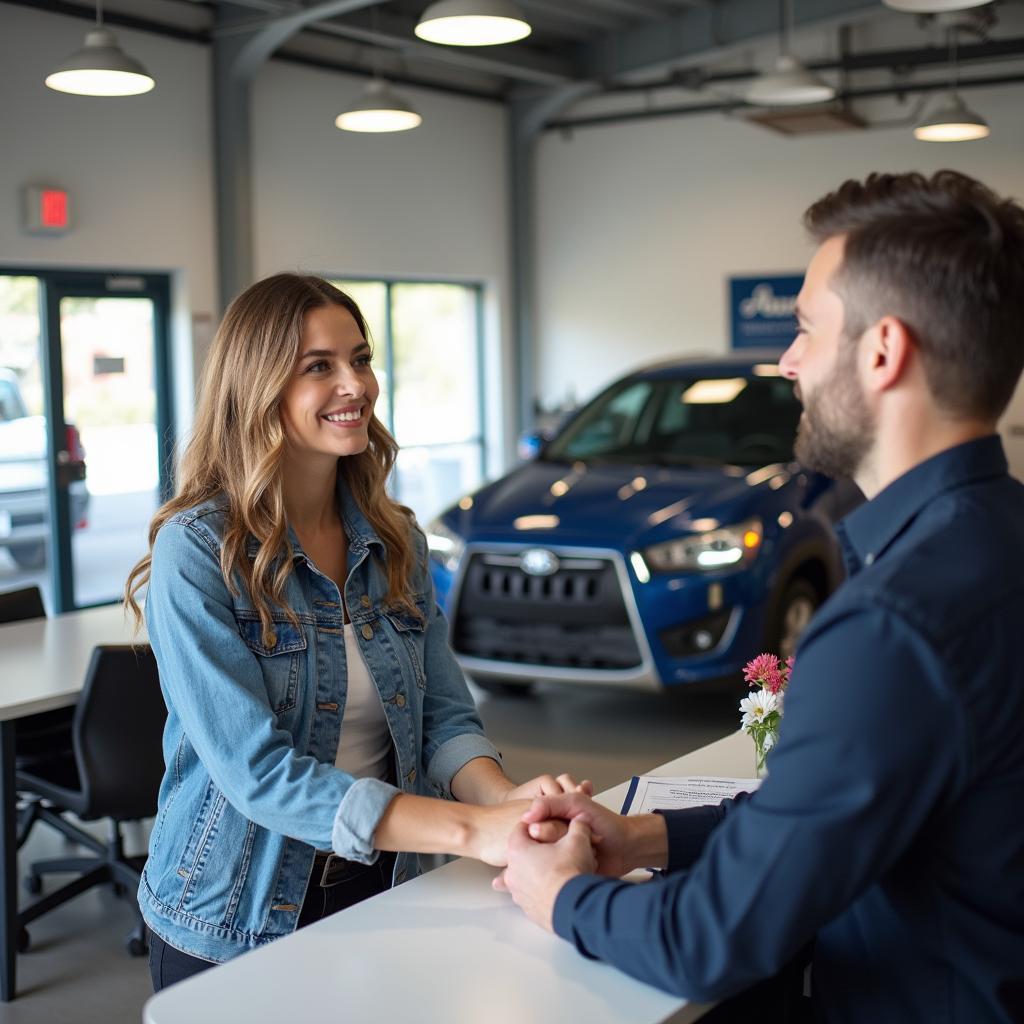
(529,445)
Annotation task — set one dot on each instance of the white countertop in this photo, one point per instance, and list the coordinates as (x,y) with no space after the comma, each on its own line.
(441,949)
(43,661)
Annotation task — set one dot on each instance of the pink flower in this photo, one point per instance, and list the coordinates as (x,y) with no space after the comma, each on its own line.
(765,671)
(762,666)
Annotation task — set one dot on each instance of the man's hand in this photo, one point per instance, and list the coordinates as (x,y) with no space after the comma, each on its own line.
(549,785)
(620,844)
(536,871)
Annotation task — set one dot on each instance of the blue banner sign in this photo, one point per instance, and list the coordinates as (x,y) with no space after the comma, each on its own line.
(762,310)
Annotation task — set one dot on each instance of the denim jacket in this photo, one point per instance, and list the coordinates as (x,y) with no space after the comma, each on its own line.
(250,788)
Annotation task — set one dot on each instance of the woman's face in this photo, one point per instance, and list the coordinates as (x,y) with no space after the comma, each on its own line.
(327,405)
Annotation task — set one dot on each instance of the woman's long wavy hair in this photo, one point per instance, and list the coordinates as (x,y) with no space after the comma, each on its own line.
(238,448)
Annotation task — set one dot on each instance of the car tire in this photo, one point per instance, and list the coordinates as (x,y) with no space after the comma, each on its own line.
(799,602)
(29,556)
(505,687)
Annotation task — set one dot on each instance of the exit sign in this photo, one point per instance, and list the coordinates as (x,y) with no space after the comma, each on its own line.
(46,210)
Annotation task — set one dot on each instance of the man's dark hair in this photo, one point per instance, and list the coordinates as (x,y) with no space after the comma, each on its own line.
(945,255)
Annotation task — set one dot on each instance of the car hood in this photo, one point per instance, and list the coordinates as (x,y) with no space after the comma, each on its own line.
(617,505)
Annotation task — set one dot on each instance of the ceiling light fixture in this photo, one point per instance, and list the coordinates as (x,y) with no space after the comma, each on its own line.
(101,67)
(933,6)
(473,23)
(379,109)
(952,120)
(789,83)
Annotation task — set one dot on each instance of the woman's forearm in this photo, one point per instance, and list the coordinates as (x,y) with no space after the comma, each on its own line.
(419,824)
(481,781)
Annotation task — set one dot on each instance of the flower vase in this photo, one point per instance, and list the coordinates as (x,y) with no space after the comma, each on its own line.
(763,742)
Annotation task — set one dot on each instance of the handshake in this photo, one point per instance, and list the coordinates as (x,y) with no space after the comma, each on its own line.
(563,833)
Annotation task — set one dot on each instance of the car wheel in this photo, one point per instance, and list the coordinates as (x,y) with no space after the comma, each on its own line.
(799,603)
(29,556)
(505,687)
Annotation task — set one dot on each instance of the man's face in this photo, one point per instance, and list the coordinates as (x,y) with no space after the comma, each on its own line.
(836,429)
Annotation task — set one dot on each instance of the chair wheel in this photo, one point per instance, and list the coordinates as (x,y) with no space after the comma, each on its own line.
(33,884)
(136,946)
(24,940)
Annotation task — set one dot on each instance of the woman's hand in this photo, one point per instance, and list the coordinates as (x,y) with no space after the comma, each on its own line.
(549,785)
(489,830)
(481,781)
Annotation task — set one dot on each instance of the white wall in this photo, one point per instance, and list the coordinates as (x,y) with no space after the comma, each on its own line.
(137,168)
(428,203)
(642,223)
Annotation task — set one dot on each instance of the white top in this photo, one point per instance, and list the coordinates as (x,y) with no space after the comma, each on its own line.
(444,948)
(364,747)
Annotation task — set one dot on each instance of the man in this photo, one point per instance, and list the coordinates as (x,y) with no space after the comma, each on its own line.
(890,829)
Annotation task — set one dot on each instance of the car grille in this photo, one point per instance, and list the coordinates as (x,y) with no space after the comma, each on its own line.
(574,618)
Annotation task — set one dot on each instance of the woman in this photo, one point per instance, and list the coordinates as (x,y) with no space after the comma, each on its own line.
(313,701)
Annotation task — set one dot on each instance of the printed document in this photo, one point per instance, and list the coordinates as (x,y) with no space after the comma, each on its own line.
(648,793)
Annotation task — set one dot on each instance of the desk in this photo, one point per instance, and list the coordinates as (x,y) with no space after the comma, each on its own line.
(42,667)
(441,948)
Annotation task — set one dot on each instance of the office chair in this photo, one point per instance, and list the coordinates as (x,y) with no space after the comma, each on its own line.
(114,772)
(41,736)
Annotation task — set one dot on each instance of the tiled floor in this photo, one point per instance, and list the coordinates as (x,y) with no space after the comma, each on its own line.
(78,971)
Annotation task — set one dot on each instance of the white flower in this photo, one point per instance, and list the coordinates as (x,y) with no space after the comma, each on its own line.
(757,707)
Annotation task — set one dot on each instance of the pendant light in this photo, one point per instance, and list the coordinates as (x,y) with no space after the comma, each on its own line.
(933,6)
(789,83)
(952,120)
(473,23)
(379,109)
(101,67)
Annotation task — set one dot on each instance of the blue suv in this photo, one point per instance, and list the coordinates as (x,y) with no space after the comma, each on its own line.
(662,538)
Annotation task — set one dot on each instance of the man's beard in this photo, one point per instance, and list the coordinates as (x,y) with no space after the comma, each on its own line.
(836,429)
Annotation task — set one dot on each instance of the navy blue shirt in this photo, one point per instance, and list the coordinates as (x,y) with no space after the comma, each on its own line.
(891,825)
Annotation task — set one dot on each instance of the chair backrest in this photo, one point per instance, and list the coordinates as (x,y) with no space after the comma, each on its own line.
(20,605)
(118,733)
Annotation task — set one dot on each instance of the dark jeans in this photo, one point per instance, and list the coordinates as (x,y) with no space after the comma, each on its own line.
(349,884)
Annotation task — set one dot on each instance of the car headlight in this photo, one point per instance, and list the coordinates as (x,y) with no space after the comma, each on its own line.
(706,552)
(446,546)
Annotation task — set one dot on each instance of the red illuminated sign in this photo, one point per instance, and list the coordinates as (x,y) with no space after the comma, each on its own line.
(46,210)
(53,208)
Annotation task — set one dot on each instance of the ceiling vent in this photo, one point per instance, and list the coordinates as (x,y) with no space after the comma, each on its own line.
(816,120)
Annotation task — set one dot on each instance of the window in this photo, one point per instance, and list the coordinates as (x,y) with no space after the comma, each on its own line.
(427,357)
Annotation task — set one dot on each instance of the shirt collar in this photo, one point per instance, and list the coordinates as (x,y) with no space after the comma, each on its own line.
(361,535)
(357,527)
(866,533)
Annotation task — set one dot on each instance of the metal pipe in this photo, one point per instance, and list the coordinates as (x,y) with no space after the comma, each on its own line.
(730,106)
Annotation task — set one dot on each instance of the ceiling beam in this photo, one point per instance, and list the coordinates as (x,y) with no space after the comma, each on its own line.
(274,31)
(737,105)
(555,11)
(707,32)
(396,33)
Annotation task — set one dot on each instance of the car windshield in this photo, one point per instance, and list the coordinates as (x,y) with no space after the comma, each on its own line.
(11,406)
(692,420)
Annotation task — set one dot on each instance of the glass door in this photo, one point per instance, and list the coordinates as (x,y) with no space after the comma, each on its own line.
(24,466)
(91,436)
